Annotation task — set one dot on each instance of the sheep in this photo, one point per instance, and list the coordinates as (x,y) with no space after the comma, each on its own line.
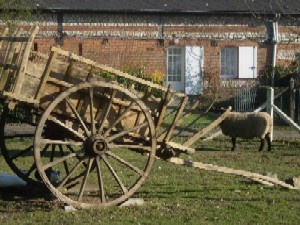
(248,125)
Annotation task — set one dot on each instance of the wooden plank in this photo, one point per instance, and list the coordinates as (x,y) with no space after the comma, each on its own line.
(180,147)
(46,74)
(163,108)
(176,119)
(202,132)
(11,50)
(12,96)
(59,82)
(22,70)
(286,118)
(111,70)
(211,167)
(69,70)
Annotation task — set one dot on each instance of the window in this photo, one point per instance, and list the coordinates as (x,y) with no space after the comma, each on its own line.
(239,62)
(174,64)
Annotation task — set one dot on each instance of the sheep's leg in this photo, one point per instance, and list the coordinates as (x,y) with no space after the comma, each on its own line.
(268,138)
(262,144)
(233,140)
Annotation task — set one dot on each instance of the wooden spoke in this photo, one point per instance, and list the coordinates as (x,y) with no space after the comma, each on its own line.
(87,132)
(62,154)
(91,98)
(61,124)
(120,134)
(140,172)
(121,185)
(62,159)
(23,152)
(100,181)
(141,147)
(90,162)
(132,104)
(58,142)
(106,111)
(62,183)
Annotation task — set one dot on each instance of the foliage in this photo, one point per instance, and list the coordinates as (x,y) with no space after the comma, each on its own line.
(13,11)
(280,73)
(156,77)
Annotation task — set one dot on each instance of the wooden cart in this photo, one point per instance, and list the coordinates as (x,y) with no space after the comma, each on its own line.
(97,130)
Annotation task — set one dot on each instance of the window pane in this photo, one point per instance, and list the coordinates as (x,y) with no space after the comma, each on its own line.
(229,62)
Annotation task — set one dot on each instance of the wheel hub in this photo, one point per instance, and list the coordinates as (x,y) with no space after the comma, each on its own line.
(96,146)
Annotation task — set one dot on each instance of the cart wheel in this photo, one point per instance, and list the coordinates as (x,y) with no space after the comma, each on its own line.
(103,145)
(16,141)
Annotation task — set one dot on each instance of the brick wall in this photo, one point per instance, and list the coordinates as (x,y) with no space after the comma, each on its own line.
(133,40)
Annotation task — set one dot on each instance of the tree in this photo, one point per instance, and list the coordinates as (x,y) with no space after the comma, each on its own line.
(13,11)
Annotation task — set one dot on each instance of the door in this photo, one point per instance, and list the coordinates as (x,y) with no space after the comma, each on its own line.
(175,68)
(193,70)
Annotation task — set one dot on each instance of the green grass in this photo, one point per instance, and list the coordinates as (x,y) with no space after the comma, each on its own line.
(181,195)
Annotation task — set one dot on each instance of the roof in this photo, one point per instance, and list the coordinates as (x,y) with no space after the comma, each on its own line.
(283,7)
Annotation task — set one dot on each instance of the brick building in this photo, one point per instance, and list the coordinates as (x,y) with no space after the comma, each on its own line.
(233,39)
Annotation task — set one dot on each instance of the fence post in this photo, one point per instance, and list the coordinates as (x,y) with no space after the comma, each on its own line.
(270,102)
(292,99)
(297,106)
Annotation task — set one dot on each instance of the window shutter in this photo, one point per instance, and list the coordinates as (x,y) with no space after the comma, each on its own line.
(193,70)
(247,62)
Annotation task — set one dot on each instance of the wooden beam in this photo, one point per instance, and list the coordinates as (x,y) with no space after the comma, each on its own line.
(12,48)
(21,73)
(46,74)
(202,132)
(163,108)
(176,119)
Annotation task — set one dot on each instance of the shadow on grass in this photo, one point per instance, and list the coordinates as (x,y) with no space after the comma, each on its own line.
(210,149)
(27,199)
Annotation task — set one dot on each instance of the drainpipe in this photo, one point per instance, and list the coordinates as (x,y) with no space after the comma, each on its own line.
(275,42)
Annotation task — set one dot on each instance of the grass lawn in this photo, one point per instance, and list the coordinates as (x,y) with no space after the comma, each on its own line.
(176,194)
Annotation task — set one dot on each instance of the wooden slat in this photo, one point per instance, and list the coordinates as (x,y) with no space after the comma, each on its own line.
(21,73)
(176,118)
(46,74)
(163,108)
(69,70)
(180,147)
(59,82)
(11,51)
(12,96)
